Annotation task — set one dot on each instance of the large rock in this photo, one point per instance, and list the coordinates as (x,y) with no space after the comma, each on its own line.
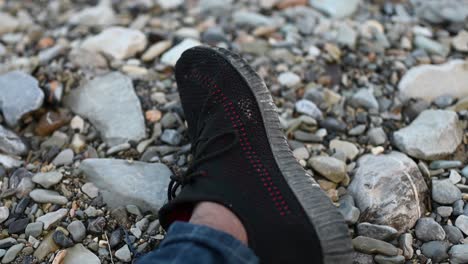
(19,95)
(100,15)
(336,8)
(110,103)
(122,182)
(389,190)
(431,81)
(10,143)
(118,42)
(434,134)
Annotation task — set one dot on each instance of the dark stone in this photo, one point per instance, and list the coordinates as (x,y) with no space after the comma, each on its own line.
(51,153)
(21,206)
(17,176)
(333,124)
(454,235)
(436,250)
(458,208)
(97,225)
(115,238)
(61,239)
(18,226)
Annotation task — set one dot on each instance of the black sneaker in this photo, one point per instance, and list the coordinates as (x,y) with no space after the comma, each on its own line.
(241,160)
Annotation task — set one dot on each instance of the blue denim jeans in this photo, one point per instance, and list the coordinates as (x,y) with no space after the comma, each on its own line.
(188,243)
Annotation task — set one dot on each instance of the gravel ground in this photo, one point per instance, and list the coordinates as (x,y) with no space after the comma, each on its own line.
(373,96)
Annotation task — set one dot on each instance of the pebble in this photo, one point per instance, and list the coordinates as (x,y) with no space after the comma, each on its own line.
(307,107)
(390,189)
(18,226)
(380,232)
(349,149)
(8,23)
(47,245)
(406,243)
(4,213)
(9,162)
(427,230)
(462,223)
(171,56)
(460,42)
(329,167)
(364,98)
(444,211)
(251,19)
(64,158)
(170,4)
(459,253)
(289,79)
(454,235)
(62,239)
(52,218)
(336,8)
(46,196)
(78,254)
(171,136)
(100,15)
(90,189)
(96,226)
(156,50)
(19,95)
(115,108)
(373,246)
(377,136)
(34,229)
(47,179)
(124,254)
(77,230)
(443,137)
(118,42)
(10,143)
(12,252)
(445,192)
(445,164)
(431,46)
(455,177)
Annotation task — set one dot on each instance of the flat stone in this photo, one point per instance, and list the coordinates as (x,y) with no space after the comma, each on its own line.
(77,230)
(78,254)
(10,143)
(427,229)
(47,179)
(329,167)
(459,253)
(380,232)
(52,218)
(445,164)
(251,19)
(432,135)
(18,226)
(115,109)
(336,8)
(34,229)
(46,196)
(100,15)
(90,189)
(445,192)
(373,246)
(307,107)
(19,95)
(389,190)
(9,162)
(12,252)
(156,50)
(148,182)
(462,223)
(7,242)
(118,42)
(215,6)
(172,56)
(124,254)
(431,81)
(65,157)
(431,46)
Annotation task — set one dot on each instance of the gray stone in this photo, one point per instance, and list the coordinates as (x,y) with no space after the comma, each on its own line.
(65,157)
(251,19)
(361,258)
(427,229)
(364,98)
(379,259)
(77,230)
(389,190)
(307,107)
(431,46)
(349,212)
(78,254)
(118,42)
(34,229)
(90,189)
(377,136)
(19,95)
(100,15)
(10,143)
(462,223)
(142,184)
(445,192)
(444,211)
(170,4)
(7,242)
(445,164)
(336,8)
(114,110)
(431,81)
(454,235)
(171,136)
(215,6)
(455,177)
(329,167)
(444,101)
(171,56)
(432,135)
(460,42)
(406,243)
(4,213)
(47,179)
(50,219)
(459,253)
(346,36)
(12,252)
(46,196)
(373,246)
(458,208)
(124,254)
(437,11)
(8,23)
(347,148)
(289,79)
(380,232)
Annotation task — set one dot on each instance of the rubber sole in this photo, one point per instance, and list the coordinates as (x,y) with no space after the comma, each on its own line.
(327,221)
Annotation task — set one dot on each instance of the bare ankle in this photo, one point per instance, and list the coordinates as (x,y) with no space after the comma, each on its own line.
(219,217)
